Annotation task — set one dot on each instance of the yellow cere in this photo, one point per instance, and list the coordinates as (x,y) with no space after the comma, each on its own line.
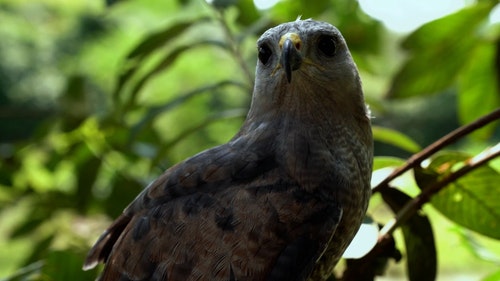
(292,36)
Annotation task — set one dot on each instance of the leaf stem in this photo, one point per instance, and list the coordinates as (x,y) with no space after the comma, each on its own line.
(417,158)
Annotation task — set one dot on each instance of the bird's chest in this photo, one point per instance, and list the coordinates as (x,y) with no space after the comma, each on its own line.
(314,161)
(332,167)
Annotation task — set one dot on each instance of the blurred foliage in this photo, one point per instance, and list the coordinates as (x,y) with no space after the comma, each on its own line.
(98,98)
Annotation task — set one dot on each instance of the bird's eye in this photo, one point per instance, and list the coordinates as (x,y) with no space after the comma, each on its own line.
(264,54)
(326,44)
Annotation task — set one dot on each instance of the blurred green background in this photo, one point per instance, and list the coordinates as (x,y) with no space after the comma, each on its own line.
(97,98)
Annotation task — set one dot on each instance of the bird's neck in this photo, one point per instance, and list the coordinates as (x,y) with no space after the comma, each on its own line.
(327,118)
(310,132)
(307,145)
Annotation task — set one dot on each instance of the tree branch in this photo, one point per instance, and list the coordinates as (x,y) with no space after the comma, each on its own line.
(234,47)
(455,135)
(414,205)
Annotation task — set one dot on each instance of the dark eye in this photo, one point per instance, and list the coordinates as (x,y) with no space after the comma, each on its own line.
(326,44)
(264,54)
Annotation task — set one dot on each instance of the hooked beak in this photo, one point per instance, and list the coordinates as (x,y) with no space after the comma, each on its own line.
(291,58)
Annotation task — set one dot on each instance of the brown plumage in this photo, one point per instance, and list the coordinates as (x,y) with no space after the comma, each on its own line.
(281,200)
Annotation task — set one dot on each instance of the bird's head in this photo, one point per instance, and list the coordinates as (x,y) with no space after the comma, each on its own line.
(305,66)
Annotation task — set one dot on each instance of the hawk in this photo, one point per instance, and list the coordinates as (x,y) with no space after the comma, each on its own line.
(281,200)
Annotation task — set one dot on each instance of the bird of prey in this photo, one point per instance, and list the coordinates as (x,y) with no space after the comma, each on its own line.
(281,200)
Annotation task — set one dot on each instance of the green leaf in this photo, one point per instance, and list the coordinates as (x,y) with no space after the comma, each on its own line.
(289,10)
(495,276)
(29,226)
(227,114)
(223,4)
(472,200)
(438,52)
(475,246)
(166,62)
(66,265)
(380,162)
(123,190)
(446,29)
(155,111)
(87,174)
(159,39)
(248,12)
(395,138)
(479,92)
(28,272)
(418,236)
(383,166)
(150,44)
(74,103)
(39,249)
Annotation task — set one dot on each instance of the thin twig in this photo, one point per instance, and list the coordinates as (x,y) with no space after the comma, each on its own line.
(416,203)
(234,47)
(417,158)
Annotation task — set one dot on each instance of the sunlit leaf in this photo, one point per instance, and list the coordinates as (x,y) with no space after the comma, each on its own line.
(438,52)
(380,162)
(417,77)
(467,201)
(383,166)
(475,246)
(495,276)
(395,138)
(418,236)
(464,21)
(479,91)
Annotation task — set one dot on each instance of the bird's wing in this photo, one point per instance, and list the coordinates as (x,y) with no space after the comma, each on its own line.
(225,214)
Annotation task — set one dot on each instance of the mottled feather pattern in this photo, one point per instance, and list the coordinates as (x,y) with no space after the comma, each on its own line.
(281,200)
